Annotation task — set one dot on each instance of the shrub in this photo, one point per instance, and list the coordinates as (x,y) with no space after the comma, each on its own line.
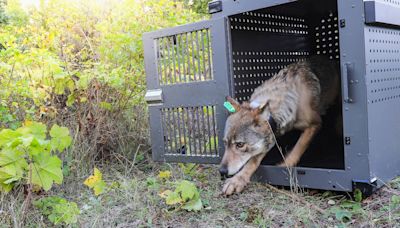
(28,156)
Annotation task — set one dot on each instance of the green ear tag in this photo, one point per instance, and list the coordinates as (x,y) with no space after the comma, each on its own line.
(229,106)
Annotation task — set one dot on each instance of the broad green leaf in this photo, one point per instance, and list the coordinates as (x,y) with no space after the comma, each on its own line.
(187,190)
(8,157)
(46,169)
(8,136)
(27,140)
(38,146)
(11,173)
(60,138)
(194,204)
(38,130)
(12,168)
(173,198)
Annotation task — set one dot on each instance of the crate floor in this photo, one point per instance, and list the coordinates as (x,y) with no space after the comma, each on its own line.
(326,149)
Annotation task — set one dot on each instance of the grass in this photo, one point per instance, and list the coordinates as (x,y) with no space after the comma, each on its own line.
(134,202)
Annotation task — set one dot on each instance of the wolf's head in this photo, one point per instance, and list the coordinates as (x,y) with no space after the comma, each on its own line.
(248,133)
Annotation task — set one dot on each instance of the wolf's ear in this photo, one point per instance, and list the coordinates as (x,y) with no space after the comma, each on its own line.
(233,102)
(257,107)
(263,106)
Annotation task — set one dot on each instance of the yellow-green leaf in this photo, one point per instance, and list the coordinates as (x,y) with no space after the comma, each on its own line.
(173,198)
(96,182)
(164,174)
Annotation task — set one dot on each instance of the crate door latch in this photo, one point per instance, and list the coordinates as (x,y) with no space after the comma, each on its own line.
(347,82)
(154,96)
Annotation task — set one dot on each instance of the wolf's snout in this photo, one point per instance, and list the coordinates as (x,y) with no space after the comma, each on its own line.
(223,170)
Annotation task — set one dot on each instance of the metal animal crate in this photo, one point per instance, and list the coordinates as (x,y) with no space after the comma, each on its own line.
(191,68)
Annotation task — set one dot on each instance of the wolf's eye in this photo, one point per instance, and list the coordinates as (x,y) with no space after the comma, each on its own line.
(239,145)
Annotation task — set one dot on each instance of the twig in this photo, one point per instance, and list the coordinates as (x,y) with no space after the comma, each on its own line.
(297,198)
(294,187)
(28,200)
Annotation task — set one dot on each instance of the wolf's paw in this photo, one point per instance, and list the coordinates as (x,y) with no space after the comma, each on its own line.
(234,184)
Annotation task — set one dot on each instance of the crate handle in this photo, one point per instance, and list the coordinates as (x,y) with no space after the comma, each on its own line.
(153,96)
(346,84)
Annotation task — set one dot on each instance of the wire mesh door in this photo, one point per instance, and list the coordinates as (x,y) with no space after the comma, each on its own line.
(187,81)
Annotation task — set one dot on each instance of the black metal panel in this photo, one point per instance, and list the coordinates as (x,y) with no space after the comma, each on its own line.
(262,44)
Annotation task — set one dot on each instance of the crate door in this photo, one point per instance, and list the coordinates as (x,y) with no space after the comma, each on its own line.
(187,81)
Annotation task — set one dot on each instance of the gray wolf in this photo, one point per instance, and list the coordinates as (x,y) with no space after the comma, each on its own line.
(295,98)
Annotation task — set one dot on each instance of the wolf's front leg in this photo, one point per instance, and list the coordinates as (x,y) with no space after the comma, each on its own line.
(241,179)
(294,156)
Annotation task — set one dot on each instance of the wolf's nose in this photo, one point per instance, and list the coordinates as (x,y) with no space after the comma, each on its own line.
(223,170)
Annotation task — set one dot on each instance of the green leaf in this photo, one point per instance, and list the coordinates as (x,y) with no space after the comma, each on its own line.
(12,168)
(187,190)
(46,169)
(38,146)
(173,198)
(70,100)
(394,201)
(106,105)
(8,157)
(357,195)
(36,129)
(39,130)
(5,187)
(99,187)
(60,138)
(343,215)
(194,204)
(151,182)
(58,210)
(8,136)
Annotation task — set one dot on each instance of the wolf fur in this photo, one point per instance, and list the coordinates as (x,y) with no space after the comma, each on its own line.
(295,98)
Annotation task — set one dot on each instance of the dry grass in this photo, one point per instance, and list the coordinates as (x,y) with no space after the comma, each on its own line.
(135,204)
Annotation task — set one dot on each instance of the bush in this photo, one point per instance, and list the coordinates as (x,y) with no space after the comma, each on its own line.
(28,156)
(3,17)
(80,64)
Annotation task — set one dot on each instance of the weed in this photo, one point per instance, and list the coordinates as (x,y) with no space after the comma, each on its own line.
(58,210)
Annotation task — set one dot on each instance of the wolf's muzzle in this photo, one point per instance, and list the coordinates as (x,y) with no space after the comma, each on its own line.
(223,170)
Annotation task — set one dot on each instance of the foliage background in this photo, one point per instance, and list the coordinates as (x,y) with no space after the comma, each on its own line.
(80,64)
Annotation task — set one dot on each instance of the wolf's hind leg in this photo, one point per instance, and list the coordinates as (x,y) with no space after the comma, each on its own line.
(298,150)
(241,179)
